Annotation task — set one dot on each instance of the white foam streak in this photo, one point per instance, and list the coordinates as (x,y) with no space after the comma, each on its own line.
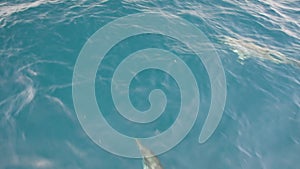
(7,10)
(61,104)
(20,100)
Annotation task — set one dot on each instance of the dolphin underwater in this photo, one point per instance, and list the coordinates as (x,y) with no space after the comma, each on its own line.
(247,48)
(150,161)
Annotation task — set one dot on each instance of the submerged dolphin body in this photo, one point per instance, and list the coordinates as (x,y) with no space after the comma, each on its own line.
(150,161)
(246,49)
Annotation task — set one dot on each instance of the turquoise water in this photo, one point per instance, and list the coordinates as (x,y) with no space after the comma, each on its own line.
(41,40)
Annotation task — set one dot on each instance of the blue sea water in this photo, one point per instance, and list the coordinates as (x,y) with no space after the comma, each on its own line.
(40,42)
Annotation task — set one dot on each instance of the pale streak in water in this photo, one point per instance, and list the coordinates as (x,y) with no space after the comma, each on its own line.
(246,48)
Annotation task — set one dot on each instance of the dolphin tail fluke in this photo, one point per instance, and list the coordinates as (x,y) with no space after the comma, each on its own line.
(294,62)
(143,150)
(138,143)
